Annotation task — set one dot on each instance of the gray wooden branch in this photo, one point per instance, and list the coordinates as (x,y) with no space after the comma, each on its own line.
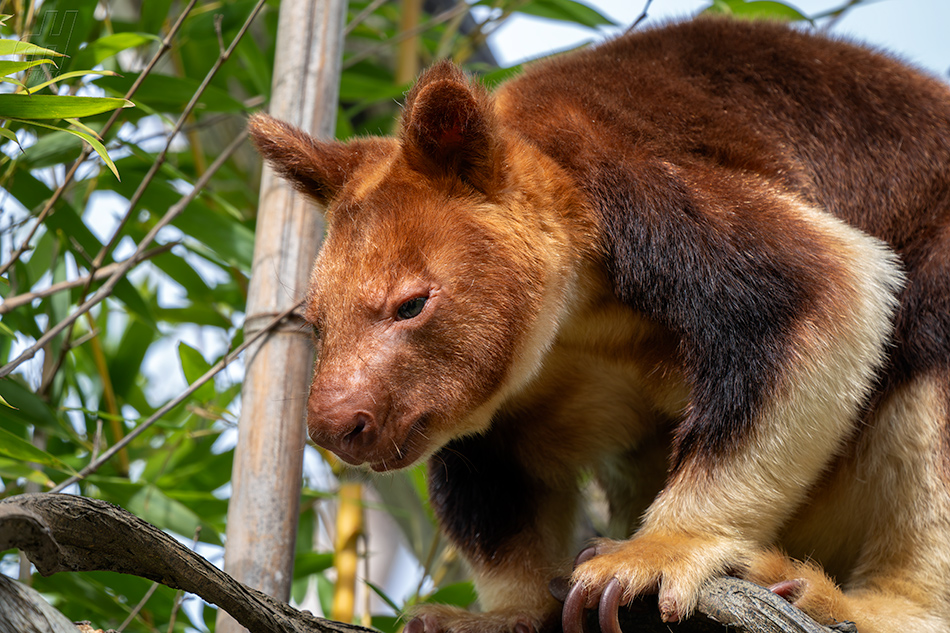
(23,610)
(68,533)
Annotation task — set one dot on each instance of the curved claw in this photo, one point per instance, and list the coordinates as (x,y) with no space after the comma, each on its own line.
(572,615)
(791,590)
(559,587)
(585,555)
(609,607)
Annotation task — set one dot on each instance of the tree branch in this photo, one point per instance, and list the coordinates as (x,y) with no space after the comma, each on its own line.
(11,303)
(25,611)
(68,533)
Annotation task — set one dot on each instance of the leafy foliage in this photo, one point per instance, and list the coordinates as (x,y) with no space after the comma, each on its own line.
(145,300)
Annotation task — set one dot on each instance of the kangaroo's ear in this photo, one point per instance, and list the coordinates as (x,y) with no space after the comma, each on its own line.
(316,168)
(448,127)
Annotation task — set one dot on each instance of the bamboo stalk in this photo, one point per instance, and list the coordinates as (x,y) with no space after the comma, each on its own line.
(407,55)
(349,527)
(268,464)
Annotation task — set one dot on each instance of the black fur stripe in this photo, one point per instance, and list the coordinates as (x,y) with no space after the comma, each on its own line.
(731,279)
(481,494)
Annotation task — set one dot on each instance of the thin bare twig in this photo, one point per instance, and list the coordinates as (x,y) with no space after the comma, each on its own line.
(160,159)
(156,166)
(171,404)
(640,18)
(11,303)
(445,16)
(139,606)
(362,15)
(84,338)
(87,149)
(180,594)
(218,21)
(106,289)
(97,440)
(836,14)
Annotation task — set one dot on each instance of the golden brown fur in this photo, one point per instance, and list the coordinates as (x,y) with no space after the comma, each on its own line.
(707,263)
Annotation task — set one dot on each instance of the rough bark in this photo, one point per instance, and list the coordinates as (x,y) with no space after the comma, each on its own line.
(23,610)
(69,533)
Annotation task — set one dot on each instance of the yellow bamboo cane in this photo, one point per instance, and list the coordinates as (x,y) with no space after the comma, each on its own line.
(349,527)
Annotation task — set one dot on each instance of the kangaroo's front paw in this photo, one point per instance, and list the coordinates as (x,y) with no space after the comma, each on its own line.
(445,619)
(675,566)
(804,585)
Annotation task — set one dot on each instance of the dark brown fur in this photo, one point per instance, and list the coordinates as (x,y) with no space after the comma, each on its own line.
(722,242)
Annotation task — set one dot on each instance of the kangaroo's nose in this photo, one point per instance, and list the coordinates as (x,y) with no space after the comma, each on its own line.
(343,423)
(361,433)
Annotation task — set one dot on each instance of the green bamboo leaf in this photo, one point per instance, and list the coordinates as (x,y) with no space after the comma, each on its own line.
(96,145)
(16,47)
(165,93)
(183,273)
(125,364)
(6,331)
(195,314)
(194,366)
(153,14)
(5,403)
(8,67)
(566,11)
(77,73)
(307,563)
(387,623)
(358,87)
(18,448)
(382,595)
(85,128)
(755,10)
(14,81)
(9,135)
(27,408)
(105,47)
(13,469)
(22,106)
(50,150)
(324,592)
(203,504)
(152,504)
(67,25)
(100,149)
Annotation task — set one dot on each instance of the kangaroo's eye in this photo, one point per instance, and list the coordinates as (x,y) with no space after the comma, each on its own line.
(411,308)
